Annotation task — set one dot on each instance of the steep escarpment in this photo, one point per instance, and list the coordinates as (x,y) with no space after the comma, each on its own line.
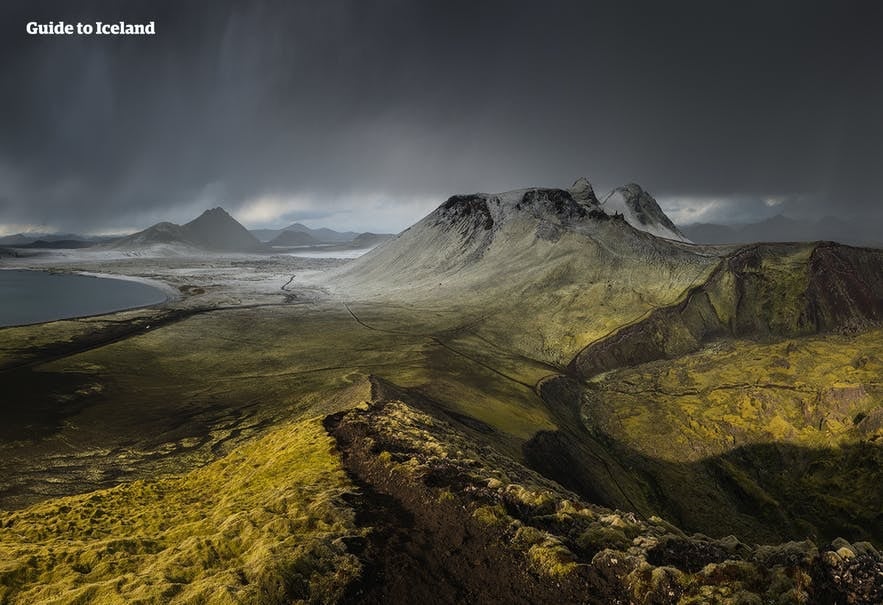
(763,292)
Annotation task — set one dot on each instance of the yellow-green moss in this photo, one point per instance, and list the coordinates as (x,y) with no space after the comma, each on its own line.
(257,525)
(552,558)
(491,515)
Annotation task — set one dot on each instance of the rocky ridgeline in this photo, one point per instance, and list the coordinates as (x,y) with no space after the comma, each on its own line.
(457,519)
(565,207)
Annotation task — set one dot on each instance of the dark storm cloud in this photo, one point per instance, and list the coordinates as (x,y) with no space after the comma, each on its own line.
(374,111)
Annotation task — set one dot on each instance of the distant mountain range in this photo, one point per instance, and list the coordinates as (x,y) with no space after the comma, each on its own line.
(44,239)
(214,230)
(783,229)
(293,238)
(316,236)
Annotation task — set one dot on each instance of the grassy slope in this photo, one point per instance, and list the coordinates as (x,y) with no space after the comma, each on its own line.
(253,526)
(788,430)
(806,392)
(540,298)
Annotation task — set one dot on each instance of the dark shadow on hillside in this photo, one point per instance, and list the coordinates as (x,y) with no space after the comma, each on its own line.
(35,404)
(764,493)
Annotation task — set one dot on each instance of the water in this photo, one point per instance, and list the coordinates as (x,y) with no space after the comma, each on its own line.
(28,297)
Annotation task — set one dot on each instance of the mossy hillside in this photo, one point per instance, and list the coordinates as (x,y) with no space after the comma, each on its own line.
(576,289)
(768,441)
(292,359)
(21,344)
(259,525)
(448,481)
(772,281)
(762,292)
(812,392)
(175,397)
(538,295)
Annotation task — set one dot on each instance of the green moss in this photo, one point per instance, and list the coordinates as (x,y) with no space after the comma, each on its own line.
(491,515)
(754,439)
(599,537)
(259,523)
(552,558)
(446,496)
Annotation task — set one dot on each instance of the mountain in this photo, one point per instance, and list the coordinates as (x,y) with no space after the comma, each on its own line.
(293,238)
(59,244)
(641,211)
(324,235)
(321,235)
(557,256)
(785,229)
(38,239)
(582,192)
(214,230)
(477,237)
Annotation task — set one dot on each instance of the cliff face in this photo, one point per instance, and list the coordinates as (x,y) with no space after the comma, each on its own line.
(763,291)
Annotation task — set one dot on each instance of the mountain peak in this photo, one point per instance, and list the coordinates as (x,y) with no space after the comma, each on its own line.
(582,192)
(486,211)
(641,211)
(213,230)
(216,212)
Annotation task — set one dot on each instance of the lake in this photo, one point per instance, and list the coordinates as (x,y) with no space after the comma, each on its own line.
(28,297)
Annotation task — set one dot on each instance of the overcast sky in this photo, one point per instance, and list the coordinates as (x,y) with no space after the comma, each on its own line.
(365,115)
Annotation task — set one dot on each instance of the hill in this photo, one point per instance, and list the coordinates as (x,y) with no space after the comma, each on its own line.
(641,211)
(51,240)
(293,238)
(213,231)
(541,247)
(321,235)
(369,240)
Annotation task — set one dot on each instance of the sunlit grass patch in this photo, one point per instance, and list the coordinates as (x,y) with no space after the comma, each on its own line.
(258,525)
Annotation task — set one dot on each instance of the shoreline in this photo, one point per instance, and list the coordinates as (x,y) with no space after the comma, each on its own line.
(169,292)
